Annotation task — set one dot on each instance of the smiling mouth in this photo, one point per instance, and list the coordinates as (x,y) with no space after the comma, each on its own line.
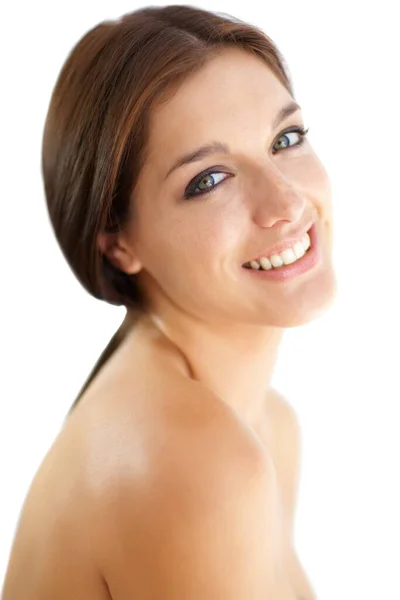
(287,257)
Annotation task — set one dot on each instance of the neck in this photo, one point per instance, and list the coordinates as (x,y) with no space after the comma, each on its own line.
(234,360)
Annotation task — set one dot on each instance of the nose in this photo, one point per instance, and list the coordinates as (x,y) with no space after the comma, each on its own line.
(276,199)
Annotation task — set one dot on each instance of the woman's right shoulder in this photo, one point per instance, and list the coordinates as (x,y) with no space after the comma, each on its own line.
(173,426)
(164,434)
(196,469)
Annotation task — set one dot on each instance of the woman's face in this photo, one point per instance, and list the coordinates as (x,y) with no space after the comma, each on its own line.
(191,250)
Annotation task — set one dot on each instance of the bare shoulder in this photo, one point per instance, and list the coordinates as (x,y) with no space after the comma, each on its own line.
(179,434)
(283,416)
(202,520)
(278,402)
(286,450)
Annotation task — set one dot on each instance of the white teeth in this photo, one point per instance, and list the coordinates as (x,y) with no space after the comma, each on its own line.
(265,263)
(287,257)
(254,264)
(276,260)
(306,241)
(298,249)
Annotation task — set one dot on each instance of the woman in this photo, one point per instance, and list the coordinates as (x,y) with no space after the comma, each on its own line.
(180,183)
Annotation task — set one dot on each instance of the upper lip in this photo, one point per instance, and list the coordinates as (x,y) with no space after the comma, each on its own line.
(289,242)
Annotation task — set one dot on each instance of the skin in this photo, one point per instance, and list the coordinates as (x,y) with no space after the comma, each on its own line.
(209,344)
(189,253)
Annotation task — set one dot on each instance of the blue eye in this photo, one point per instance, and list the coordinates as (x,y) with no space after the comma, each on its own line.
(209,179)
(299,131)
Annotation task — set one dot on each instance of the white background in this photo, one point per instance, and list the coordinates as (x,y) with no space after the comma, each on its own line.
(340,373)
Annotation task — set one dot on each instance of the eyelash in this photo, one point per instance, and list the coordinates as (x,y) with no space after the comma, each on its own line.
(190,193)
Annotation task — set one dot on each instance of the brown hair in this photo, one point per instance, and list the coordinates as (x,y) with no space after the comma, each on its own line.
(94,140)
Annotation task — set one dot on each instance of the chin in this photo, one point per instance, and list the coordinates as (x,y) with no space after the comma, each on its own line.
(306,309)
(299,320)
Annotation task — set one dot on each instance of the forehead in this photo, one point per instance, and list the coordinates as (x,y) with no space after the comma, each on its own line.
(234,92)
(228,79)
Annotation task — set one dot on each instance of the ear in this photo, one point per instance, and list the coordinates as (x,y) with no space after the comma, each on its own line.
(118,252)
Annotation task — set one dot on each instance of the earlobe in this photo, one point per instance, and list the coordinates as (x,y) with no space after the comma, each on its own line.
(120,255)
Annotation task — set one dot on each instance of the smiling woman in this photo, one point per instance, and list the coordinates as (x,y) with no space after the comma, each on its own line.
(175,156)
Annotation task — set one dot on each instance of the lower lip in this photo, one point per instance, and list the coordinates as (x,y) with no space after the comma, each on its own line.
(306,263)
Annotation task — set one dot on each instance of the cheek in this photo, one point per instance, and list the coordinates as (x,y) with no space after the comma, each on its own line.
(204,233)
(217,234)
(313,180)
(319,179)
(320,188)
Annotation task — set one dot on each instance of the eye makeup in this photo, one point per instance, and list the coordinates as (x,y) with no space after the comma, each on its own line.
(190,191)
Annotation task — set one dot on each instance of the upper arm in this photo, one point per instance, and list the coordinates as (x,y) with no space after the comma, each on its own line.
(205,525)
(287,452)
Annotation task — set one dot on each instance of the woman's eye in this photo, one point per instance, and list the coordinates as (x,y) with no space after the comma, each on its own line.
(299,132)
(206,183)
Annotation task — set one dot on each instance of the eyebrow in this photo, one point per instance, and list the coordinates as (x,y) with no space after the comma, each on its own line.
(215,147)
